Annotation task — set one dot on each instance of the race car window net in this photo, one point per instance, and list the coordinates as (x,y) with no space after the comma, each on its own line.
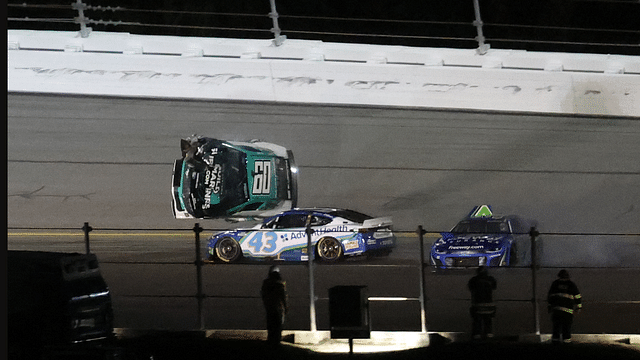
(319,220)
(291,221)
(282,179)
(482,226)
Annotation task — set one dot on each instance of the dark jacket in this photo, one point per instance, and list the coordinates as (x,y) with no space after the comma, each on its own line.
(481,287)
(564,296)
(274,293)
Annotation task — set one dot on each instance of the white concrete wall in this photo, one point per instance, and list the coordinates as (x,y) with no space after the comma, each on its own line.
(299,71)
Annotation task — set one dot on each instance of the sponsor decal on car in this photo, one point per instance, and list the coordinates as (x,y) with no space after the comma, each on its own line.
(324,230)
(212,181)
(261,178)
(350,245)
(467,247)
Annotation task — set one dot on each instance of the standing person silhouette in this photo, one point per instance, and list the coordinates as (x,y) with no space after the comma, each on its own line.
(483,309)
(564,300)
(274,298)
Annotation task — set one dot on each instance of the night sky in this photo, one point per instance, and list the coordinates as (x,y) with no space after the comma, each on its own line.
(596,26)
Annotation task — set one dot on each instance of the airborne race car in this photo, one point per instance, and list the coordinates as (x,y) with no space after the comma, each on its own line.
(483,239)
(228,179)
(336,233)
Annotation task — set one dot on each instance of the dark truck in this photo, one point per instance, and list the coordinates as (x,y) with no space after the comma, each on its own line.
(56,302)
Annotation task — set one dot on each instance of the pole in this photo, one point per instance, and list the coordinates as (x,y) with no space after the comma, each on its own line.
(278,39)
(423,294)
(312,295)
(87,229)
(533,233)
(482,47)
(81,19)
(200,296)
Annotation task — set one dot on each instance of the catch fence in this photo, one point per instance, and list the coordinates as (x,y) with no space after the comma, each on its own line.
(589,26)
(406,292)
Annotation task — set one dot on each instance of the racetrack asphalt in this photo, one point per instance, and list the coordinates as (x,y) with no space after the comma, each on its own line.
(187,346)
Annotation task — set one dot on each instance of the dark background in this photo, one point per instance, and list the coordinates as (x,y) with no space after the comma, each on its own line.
(588,26)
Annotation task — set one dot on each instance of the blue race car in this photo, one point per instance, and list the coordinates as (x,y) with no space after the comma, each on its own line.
(482,239)
(336,233)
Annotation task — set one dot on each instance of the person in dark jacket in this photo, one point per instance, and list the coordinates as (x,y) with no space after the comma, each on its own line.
(483,309)
(564,301)
(274,298)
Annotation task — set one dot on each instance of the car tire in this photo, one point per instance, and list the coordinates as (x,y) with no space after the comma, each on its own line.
(329,249)
(228,250)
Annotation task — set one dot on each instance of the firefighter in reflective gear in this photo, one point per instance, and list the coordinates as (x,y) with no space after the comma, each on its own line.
(564,300)
(483,309)
(274,298)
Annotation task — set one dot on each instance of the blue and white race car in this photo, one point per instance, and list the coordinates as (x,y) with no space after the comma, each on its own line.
(482,239)
(336,233)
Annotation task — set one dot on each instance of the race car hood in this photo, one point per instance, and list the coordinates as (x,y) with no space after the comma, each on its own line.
(470,243)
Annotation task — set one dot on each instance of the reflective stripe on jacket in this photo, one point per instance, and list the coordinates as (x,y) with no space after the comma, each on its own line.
(564,296)
(483,308)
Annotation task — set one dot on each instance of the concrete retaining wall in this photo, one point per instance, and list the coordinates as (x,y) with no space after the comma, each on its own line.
(299,71)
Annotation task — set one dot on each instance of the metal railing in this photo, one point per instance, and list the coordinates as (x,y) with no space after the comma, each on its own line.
(616,30)
(424,266)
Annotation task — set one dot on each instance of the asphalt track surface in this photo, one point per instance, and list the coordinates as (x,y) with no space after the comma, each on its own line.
(107,161)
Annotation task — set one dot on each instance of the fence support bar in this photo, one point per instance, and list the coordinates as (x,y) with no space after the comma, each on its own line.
(200,296)
(423,294)
(312,293)
(87,229)
(482,47)
(81,19)
(278,39)
(533,233)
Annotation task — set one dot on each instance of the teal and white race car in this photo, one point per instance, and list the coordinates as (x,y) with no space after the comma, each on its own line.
(230,179)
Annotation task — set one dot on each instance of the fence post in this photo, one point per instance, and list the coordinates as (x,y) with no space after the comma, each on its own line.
(278,39)
(423,294)
(87,229)
(200,296)
(533,233)
(312,295)
(482,47)
(81,7)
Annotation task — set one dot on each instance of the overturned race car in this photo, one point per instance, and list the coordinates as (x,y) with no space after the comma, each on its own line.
(335,234)
(483,239)
(229,179)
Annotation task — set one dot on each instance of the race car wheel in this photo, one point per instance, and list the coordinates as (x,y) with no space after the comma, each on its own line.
(329,249)
(228,250)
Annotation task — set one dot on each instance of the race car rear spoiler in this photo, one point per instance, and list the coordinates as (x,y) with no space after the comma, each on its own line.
(377,222)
